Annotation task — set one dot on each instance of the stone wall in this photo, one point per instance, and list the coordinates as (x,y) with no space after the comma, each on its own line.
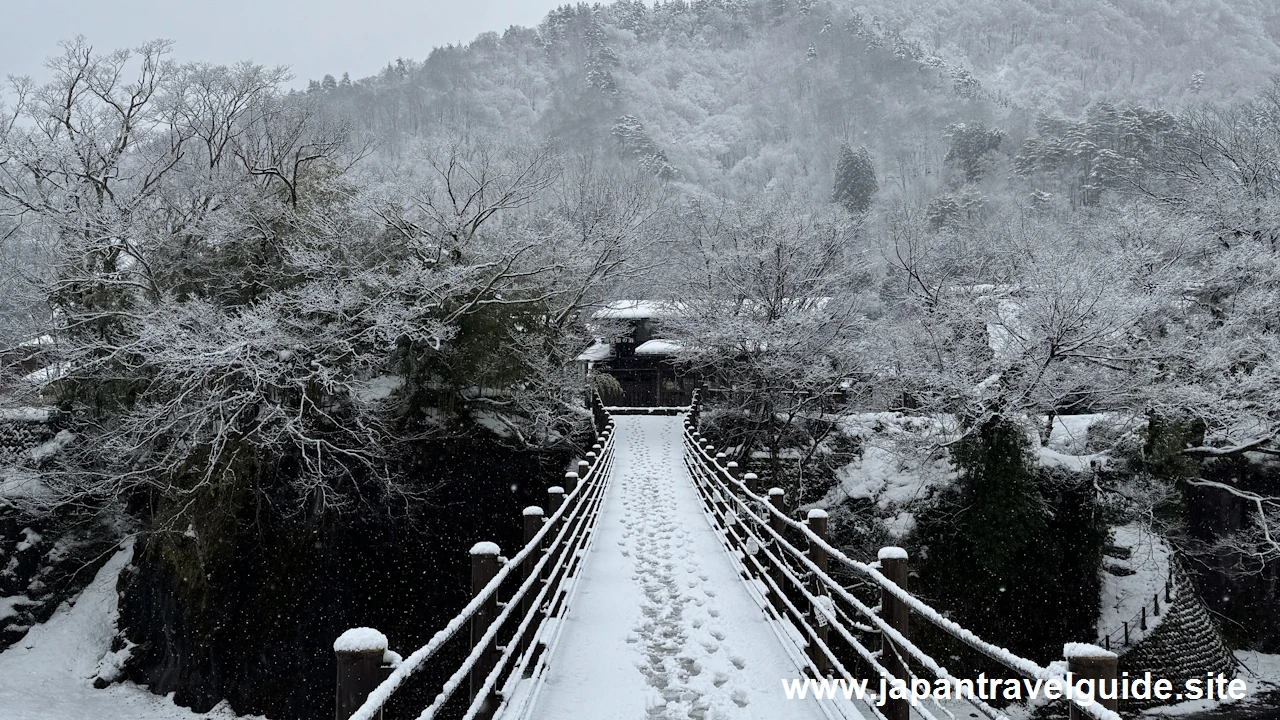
(1186,644)
(23,429)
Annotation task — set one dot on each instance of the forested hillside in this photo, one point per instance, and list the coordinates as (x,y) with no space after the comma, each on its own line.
(1062,55)
(728,97)
(732,96)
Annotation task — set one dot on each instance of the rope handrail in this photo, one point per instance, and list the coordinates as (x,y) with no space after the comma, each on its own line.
(491,633)
(558,542)
(741,495)
(830,613)
(1121,635)
(1027,667)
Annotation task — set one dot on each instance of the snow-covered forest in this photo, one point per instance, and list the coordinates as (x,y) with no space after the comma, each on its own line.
(997,282)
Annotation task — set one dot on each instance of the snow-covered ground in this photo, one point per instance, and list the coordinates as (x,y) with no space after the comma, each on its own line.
(896,466)
(49,674)
(1124,597)
(1261,673)
(662,626)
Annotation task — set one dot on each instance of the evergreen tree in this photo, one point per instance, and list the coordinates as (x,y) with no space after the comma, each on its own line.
(855,180)
(970,143)
(329,83)
(1012,552)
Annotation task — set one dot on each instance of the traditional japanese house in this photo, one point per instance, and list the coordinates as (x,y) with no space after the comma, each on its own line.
(637,355)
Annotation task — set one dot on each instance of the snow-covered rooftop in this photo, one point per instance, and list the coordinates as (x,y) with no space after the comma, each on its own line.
(598,351)
(37,341)
(638,310)
(658,347)
(26,414)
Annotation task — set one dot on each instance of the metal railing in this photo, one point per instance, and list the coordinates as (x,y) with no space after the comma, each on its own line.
(511,618)
(1134,630)
(789,562)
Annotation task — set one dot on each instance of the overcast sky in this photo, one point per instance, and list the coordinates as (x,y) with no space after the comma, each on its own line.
(314,37)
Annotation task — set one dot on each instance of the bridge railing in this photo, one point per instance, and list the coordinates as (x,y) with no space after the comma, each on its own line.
(1134,630)
(511,619)
(790,563)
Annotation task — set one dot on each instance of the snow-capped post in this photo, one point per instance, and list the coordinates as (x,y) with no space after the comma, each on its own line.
(775,500)
(484,565)
(817,521)
(893,565)
(555,496)
(533,518)
(777,526)
(1090,662)
(598,414)
(360,652)
(722,503)
(734,471)
(751,480)
(590,461)
(584,467)
(570,482)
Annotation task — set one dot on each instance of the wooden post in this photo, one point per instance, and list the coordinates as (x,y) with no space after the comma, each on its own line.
(817,521)
(775,499)
(734,471)
(751,480)
(570,483)
(1157,600)
(1144,617)
(533,519)
(893,565)
(584,467)
(722,503)
(1126,632)
(359,652)
(484,565)
(555,497)
(776,524)
(1090,662)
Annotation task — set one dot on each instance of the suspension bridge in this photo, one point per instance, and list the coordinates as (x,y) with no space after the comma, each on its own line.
(660,581)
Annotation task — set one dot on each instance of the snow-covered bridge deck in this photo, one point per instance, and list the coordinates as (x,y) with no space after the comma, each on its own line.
(662,625)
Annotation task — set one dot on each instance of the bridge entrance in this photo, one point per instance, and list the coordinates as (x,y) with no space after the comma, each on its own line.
(662,625)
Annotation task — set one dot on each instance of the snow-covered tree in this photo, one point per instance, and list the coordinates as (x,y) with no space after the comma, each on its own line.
(772,312)
(855,182)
